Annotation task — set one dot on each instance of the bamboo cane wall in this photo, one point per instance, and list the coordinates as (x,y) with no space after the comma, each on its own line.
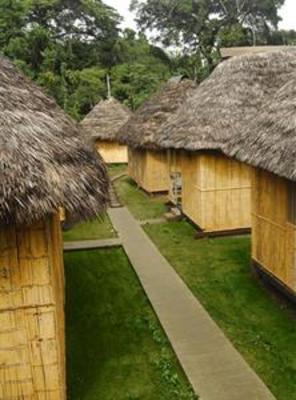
(32,353)
(149,169)
(273,236)
(174,166)
(112,152)
(216,191)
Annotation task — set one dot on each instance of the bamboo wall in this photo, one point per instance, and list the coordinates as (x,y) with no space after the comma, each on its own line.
(32,353)
(273,236)
(175,171)
(216,191)
(112,152)
(149,169)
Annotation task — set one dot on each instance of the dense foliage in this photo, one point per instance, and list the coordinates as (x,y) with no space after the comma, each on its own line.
(202,26)
(70,46)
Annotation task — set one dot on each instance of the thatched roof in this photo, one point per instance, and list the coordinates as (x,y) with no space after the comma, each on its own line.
(270,141)
(105,120)
(227,52)
(222,105)
(144,126)
(44,162)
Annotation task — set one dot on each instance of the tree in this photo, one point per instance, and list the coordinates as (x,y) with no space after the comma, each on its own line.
(139,70)
(283,37)
(195,24)
(69,46)
(74,25)
(234,35)
(12,19)
(62,44)
(134,83)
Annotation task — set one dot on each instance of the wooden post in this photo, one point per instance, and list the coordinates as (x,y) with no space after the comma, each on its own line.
(109,87)
(32,351)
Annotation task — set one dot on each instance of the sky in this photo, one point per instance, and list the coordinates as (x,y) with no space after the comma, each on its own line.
(122,6)
(287,12)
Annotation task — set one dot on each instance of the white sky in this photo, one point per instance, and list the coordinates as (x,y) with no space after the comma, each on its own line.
(288,13)
(122,6)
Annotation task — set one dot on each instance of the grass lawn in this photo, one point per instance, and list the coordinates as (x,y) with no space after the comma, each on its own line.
(116,349)
(217,272)
(91,230)
(116,169)
(141,205)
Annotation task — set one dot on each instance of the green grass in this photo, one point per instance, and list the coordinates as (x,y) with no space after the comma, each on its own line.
(218,273)
(116,349)
(141,205)
(116,169)
(91,230)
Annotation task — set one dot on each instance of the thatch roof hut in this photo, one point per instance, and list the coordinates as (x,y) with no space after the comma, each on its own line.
(269,144)
(225,102)
(218,110)
(142,129)
(101,126)
(147,161)
(44,161)
(44,164)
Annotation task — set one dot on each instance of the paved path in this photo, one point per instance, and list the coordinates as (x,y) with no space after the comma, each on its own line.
(213,366)
(91,244)
(114,200)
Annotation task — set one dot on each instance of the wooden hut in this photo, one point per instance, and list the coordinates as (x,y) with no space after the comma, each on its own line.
(269,146)
(216,190)
(44,165)
(101,125)
(148,163)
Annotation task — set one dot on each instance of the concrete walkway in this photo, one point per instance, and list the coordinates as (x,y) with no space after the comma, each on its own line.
(213,366)
(91,244)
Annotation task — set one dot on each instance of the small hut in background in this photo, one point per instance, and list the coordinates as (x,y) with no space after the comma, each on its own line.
(269,145)
(148,163)
(44,165)
(102,124)
(216,190)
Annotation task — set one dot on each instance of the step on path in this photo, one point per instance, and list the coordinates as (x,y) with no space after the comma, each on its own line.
(213,366)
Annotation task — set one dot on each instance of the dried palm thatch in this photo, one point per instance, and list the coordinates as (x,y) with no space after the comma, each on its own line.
(269,142)
(105,120)
(225,103)
(145,125)
(44,162)
(227,52)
